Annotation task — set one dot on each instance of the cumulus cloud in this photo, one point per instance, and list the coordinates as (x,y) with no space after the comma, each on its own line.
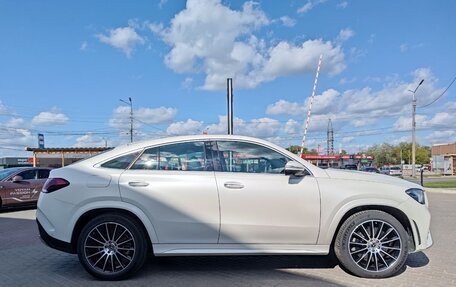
(123,38)
(310,4)
(291,127)
(261,127)
(200,42)
(189,127)
(345,34)
(287,21)
(326,102)
(121,116)
(53,117)
(91,140)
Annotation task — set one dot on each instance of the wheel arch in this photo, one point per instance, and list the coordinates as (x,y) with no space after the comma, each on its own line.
(393,211)
(89,215)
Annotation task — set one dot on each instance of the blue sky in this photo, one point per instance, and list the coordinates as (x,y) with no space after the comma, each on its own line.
(65,65)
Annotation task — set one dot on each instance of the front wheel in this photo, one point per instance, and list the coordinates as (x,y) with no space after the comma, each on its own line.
(112,247)
(372,244)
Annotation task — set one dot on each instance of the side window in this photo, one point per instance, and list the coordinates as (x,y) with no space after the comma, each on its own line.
(183,156)
(148,160)
(250,158)
(121,162)
(43,173)
(28,174)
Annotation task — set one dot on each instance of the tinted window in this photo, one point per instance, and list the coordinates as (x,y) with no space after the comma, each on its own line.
(183,156)
(251,158)
(148,160)
(28,174)
(121,162)
(43,173)
(7,172)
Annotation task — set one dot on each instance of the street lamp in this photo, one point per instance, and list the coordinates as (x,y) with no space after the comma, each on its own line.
(414,128)
(131,116)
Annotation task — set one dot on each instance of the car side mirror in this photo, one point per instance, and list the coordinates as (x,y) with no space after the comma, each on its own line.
(294,168)
(17,178)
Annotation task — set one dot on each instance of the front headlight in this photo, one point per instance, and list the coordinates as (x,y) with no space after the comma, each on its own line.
(417,194)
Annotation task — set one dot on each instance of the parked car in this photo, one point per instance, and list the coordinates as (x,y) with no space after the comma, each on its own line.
(371,169)
(227,195)
(391,170)
(351,167)
(21,186)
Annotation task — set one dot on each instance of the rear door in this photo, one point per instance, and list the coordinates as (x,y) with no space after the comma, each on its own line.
(175,186)
(20,192)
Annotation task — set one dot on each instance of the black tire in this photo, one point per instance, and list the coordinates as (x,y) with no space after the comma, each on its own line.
(372,244)
(112,247)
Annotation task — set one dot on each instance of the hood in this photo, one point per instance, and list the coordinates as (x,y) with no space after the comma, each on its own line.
(371,177)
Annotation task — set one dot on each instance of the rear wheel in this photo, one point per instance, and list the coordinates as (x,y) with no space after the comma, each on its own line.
(372,244)
(112,247)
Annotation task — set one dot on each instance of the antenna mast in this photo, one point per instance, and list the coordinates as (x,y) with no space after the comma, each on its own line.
(309,111)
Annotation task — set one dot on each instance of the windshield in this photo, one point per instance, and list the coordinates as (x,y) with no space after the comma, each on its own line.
(7,172)
(395,168)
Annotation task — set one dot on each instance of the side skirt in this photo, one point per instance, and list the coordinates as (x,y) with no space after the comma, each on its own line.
(238,249)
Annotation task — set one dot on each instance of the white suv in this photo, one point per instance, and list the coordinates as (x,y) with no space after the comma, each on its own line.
(219,195)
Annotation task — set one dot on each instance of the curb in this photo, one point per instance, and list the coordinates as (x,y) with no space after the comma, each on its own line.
(440,190)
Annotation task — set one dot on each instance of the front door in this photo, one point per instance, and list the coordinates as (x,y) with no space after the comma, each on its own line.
(175,185)
(259,204)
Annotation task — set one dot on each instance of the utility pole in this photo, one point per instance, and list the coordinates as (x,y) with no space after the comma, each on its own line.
(229,95)
(131,116)
(414,128)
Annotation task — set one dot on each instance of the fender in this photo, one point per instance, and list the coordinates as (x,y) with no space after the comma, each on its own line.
(327,234)
(89,206)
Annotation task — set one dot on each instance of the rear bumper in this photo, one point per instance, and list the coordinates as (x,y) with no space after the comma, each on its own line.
(54,243)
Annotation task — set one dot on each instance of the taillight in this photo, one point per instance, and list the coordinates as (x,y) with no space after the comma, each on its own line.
(53,184)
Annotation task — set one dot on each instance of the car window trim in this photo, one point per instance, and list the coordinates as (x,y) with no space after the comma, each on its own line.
(158,146)
(265,146)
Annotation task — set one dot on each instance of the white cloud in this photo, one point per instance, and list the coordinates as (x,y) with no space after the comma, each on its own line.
(286,58)
(342,4)
(262,127)
(121,116)
(91,140)
(451,106)
(201,43)
(291,127)
(187,83)
(123,38)
(283,107)
(287,21)
(309,6)
(3,109)
(84,46)
(324,103)
(53,117)
(345,34)
(189,127)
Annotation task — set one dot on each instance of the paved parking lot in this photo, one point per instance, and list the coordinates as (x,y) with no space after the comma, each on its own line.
(25,261)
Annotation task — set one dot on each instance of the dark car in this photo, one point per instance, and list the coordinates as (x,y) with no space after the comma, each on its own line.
(371,169)
(20,186)
(351,166)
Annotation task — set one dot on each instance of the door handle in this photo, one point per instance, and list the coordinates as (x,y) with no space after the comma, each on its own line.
(233,185)
(138,183)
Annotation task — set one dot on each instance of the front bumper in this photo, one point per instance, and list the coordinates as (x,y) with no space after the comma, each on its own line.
(54,243)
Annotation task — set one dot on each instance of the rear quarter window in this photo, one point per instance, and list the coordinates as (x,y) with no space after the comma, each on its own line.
(121,162)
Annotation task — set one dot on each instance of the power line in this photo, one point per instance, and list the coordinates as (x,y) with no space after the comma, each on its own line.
(441,95)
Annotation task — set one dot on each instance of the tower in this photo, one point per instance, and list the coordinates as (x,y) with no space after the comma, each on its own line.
(330,139)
